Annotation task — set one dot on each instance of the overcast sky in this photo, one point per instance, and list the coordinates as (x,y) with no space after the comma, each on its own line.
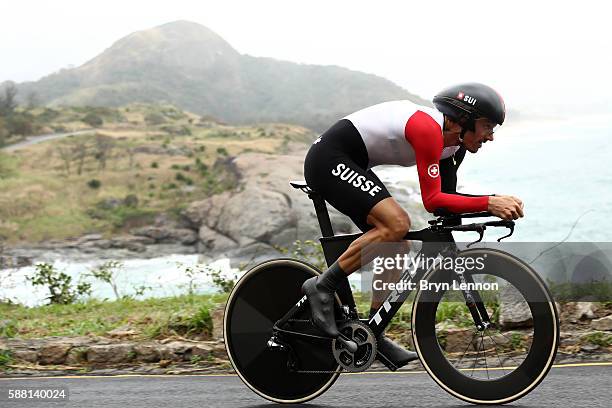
(543,57)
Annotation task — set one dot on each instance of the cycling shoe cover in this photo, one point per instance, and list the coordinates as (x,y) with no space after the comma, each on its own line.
(322,307)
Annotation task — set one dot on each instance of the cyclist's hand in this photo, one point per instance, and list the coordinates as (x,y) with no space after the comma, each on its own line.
(505,207)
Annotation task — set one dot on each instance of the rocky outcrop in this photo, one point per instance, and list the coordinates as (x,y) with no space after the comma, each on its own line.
(604,323)
(514,311)
(262,213)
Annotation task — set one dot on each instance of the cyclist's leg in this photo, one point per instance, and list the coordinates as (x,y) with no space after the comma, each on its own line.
(389,223)
(336,167)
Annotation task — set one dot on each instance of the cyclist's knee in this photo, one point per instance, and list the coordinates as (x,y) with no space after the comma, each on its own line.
(397,227)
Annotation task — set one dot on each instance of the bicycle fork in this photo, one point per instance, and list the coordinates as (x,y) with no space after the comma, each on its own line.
(474,303)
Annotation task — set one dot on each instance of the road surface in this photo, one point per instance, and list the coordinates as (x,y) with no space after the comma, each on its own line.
(565,386)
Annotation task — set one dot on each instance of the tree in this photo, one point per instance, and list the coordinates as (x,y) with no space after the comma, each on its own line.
(32,100)
(66,155)
(7,100)
(79,153)
(93,120)
(103,147)
(3,132)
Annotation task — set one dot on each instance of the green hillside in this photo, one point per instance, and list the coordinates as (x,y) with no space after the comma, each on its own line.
(188,65)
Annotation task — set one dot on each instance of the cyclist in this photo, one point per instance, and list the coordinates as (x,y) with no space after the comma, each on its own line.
(339,167)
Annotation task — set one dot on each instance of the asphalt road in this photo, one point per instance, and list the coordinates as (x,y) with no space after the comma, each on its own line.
(564,387)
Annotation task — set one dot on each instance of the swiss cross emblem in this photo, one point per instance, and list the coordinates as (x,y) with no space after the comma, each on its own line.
(433,170)
(460,95)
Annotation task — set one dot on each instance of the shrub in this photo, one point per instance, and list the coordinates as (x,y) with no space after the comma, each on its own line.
(154,118)
(308,251)
(223,283)
(20,124)
(93,120)
(130,200)
(154,165)
(94,184)
(8,328)
(181,177)
(600,338)
(59,284)
(222,151)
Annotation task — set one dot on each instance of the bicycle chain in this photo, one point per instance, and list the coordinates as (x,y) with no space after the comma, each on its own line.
(339,371)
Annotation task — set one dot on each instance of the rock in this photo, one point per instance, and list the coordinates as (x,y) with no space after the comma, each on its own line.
(14,261)
(514,310)
(589,348)
(156,233)
(147,353)
(183,350)
(110,353)
(206,212)
(245,224)
(123,331)
(77,355)
(31,356)
(217,320)
(604,323)
(185,236)
(53,353)
(457,340)
(163,234)
(265,210)
(212,241)
(87,238)
(569,339)
(584,310)
(100,244)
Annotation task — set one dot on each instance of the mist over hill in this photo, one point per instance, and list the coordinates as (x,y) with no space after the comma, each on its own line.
(186,64)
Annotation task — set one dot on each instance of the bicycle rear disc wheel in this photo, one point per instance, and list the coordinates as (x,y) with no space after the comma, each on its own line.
(521,366)
(260,298)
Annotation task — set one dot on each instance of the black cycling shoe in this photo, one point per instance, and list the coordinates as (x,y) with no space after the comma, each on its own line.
(398,355)
(322,307)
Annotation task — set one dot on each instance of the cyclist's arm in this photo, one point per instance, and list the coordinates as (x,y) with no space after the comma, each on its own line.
(425,136)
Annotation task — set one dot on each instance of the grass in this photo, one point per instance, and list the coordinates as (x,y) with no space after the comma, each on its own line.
(151,318)
(6,358)
(572,291)
(600,338)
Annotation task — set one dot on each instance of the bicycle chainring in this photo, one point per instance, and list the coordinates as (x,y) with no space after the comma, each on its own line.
(365,355)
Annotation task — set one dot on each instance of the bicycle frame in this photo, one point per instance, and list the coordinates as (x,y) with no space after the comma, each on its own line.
(437,242)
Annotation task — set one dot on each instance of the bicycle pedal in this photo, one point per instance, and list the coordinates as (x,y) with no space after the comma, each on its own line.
(386,362)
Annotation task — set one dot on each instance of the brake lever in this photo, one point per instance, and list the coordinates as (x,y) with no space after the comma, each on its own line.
(510,226)
(480,229)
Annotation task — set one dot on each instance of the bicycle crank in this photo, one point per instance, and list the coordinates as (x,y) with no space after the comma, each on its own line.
(361,358)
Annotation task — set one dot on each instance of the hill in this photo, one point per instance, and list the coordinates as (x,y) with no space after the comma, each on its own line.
(188,65)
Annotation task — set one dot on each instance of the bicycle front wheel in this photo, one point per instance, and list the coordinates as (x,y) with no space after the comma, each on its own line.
(505,361)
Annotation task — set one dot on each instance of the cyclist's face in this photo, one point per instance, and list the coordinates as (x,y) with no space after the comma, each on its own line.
(483,132)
